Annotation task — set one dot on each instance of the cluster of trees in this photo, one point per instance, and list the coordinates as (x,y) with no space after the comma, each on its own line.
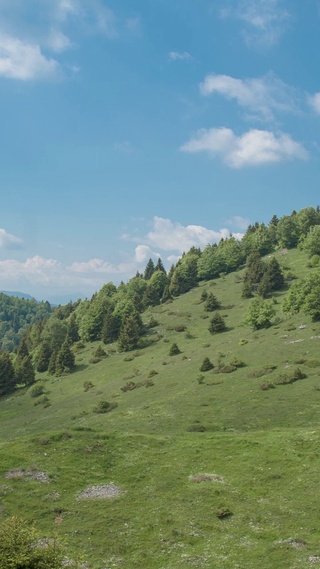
(16,314)
(15,370)
(262,277)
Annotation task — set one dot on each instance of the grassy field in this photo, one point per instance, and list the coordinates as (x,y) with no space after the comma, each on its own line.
(218,471)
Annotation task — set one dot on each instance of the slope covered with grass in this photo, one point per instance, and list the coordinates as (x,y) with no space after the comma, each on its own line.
(215,469)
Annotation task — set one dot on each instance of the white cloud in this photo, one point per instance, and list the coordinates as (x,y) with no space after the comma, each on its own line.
(143,253)
(314,102)
(265,20)
(239,222)
(261,96)
(47,276)
(24,61)
(253,148)
(172,236)
(8,241)
(58,41)
(180,56)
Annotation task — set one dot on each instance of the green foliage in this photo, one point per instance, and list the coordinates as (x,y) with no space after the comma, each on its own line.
(21,547)
(260,313)
(174,350)
(211,303)
(149,270)
(65,360)
(37,390)
(41,356)
(217,324)
(311,242)
(23,370)
(253,274)
(7,374)
(104,407)
(206,365)
(130,332)
(272,278)
(16,315)
(304,296)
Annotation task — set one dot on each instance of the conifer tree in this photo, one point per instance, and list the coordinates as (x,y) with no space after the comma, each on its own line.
(130,332)
(7,376)
(149,270)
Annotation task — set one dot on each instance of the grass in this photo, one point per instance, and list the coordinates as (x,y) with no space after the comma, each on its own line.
(263,444)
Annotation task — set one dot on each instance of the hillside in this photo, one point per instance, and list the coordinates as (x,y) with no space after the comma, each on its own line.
(215,469)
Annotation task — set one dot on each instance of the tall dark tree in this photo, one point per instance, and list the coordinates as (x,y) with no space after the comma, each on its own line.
(211,303)
(110,329)
(72,329)
(130,332)
(65,360)
(160,267)
(7,375)
(253,275)
(272,278)
(149,270)
(42,357)
(23,370)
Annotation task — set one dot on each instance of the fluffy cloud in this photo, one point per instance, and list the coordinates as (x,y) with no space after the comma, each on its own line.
(261,96)
(314,102)
(47,276)
(24,61)
(8,241)
(265,20)
(180,56)
(239,222)
(172,236)
(253,148)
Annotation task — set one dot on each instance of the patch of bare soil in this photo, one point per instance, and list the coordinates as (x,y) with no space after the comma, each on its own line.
(101,491)
(33,474)
(206,478)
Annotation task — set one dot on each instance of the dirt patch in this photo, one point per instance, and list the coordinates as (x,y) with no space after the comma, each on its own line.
(29,473)
(206,478)
(101,491)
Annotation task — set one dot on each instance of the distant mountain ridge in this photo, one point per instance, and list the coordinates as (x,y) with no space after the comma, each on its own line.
(18,294)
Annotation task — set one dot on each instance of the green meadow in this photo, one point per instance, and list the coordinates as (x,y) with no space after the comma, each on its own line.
(216,469)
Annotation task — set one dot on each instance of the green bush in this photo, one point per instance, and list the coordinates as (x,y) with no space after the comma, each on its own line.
(37,390)
(22,547)
(217,324)
(104,407)
(174,350)
(206,365)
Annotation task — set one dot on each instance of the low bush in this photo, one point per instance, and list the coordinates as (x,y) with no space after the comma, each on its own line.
(206,365)
(174,350)
(87,385)
(37,390)
(104,407)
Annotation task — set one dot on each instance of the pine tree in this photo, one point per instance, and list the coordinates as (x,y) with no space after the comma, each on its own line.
(149,270)
(72,329)
(160,267)
(110,328)
(65,359)
(42,357)
(217,324)
(211,303)
(7,376)
(206,365)
(23,370)
(130,332)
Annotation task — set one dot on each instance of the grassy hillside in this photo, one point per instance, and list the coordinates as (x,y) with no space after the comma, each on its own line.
(216,469)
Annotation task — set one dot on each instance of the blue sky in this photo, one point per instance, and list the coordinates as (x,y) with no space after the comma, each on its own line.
(139,128)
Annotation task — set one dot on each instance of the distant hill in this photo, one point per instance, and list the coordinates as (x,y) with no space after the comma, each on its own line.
(18,294)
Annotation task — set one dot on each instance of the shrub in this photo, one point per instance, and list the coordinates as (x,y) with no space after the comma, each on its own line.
(265,385)
(87,385)
(21,547)
(174,350)
(285,379)
(227,369)
(237,362)
(37,390)
(200,378)
(217,324)
(153,322)
(94,360)
(104,407)
(211,303)
(43,400)
(152,373)
(196,428)
(100,353)
(222,513)
(206,365)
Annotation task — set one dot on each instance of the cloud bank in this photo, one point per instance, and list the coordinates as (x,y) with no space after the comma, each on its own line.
(253,148)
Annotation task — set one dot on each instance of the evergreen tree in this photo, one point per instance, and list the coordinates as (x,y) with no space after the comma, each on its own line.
(130,331)
(65,360)
(160,267)
(52,363)
(23,370)
(110,329)
(72,329)
(174,350)
(7,376)
(272,278)
(253,275)
(211,303)
(149,270)
(206,365)
(217,324)
(42,357)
